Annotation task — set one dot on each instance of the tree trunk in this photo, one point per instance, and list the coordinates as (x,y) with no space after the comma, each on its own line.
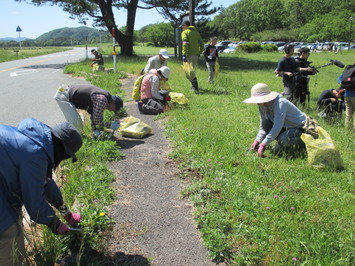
(125,41)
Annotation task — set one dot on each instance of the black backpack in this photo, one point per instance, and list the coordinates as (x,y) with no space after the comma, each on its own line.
(348,78)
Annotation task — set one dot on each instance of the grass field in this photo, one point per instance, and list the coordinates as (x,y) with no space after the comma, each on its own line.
(9,54)
(251,211)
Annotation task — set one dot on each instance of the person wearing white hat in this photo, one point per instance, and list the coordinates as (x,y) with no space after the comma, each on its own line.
(157,61)
(280,120)
(152,99)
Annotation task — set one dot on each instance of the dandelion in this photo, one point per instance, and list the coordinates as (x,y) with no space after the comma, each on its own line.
(102,214)
(294,259)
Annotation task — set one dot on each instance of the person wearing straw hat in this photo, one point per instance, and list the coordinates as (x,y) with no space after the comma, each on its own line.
(28,155)
(157,61)
(280,120)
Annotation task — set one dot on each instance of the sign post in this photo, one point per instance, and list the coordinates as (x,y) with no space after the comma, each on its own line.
(18,29)
(114,49)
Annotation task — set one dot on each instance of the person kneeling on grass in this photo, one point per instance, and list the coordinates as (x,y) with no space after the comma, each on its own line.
(28,154)
(152,98)
(280,120)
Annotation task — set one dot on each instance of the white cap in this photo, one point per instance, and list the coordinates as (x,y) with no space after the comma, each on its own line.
(165,71)
(164,53)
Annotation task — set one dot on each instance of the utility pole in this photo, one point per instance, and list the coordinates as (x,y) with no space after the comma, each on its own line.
(192,12)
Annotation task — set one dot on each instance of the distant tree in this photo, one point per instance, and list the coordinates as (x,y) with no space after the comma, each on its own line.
(161,34)
(102,13)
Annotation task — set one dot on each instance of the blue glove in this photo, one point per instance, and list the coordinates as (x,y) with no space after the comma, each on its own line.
(115,125)
(184,58)
(96,133)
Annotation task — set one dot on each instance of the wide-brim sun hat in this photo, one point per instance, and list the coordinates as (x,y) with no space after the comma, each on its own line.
(164,53)
(70,137)
(260,93)
(165,71)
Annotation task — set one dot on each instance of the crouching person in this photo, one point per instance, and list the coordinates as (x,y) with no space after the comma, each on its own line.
(280,120)
(28,154)
(152,98)
(330,103)
(92,99)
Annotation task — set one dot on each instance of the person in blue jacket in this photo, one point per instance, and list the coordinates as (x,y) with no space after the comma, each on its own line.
(28,155)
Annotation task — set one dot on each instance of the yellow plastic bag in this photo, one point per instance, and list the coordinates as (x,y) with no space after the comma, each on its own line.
(322,152)
(134,128)
(178,98)
(189,70)
(216,69)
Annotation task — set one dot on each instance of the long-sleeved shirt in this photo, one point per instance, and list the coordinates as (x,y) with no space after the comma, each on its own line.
(154,63)
(276,115)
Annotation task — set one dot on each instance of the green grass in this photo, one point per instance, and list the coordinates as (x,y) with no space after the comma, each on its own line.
(251,211)
(9,54)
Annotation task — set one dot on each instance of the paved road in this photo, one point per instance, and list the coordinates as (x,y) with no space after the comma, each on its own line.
(28,86)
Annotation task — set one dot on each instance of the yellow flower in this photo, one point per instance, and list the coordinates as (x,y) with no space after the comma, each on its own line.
(102,214)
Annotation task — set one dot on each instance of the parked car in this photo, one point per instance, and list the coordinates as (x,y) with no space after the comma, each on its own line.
(222,45)
(229,50)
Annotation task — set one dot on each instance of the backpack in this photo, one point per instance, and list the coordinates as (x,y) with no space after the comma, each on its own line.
(136,93)
(348,78)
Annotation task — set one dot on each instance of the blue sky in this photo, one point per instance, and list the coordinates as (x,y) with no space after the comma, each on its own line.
(35,21)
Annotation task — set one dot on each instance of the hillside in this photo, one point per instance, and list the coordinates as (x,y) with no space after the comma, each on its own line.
(79,33)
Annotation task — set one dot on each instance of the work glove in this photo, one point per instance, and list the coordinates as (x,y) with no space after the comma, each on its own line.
(209,57)
(72,218)
(261,150)
(255,145)
(62,229)
(96,133)
(58,227)
(184,58)
(115,125)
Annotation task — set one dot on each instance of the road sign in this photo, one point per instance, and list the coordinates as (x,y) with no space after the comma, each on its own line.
(18,29)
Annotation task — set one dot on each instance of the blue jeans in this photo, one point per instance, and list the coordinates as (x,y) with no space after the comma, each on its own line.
(290,142)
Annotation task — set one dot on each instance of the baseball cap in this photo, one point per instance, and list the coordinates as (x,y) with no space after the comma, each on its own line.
(185,22)
(70,138)
(118,102)
(164,53)
(165,71)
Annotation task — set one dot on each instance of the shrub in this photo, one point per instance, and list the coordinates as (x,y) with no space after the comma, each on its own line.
(270,47)
(150,44)
(250,47)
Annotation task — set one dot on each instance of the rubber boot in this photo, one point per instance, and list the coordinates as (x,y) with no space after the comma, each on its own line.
(194,85)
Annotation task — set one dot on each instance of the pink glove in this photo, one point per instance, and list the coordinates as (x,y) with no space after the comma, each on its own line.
(62,229)
(255,145)
(72,218)
(261,149)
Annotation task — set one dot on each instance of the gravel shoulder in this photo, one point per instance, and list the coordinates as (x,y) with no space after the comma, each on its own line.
(153,224)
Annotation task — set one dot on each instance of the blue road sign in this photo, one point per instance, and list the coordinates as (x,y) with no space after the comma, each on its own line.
(18,29)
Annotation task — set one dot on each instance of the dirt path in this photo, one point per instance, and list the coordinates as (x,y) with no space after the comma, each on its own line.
(154,226)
